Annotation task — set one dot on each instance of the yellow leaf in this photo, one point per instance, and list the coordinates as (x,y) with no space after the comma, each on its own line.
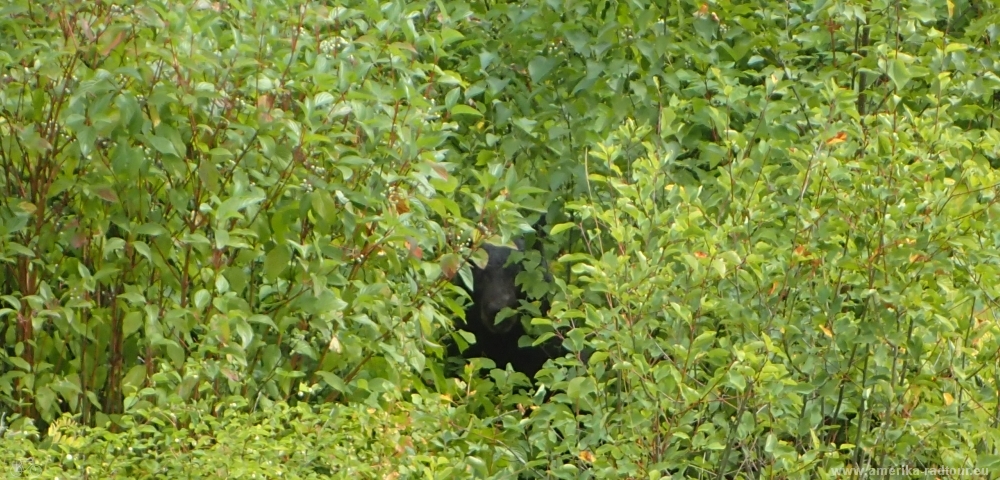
(948,399)
(951,8)
(826,330)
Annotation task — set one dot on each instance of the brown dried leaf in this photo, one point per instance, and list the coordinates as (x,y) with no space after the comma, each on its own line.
(107,194)
(113,43)
(450,264)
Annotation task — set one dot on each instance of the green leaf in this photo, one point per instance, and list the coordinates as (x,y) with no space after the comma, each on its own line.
(232,206)
(486,59)
(539,68)
(143,249)
(86,138)
(461,109)
(449,36)
(276,261)
(559,228)
(132,323)
(719,265)
(899,74)
(162,145)
(201,299)
(135,378)
(263,320)
(324,206)
(151,229)
(737,380)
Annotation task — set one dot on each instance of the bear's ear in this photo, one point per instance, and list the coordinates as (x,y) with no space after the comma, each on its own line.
(532,235)
(539,227)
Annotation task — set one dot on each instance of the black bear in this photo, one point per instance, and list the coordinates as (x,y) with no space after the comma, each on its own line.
(493,289)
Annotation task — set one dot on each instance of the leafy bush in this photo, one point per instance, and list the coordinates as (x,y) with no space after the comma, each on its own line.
(334,441)
(772,222)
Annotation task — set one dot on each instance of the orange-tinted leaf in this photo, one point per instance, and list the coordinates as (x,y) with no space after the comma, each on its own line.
(826,330)
(265,101)
(114,43)
(438,169)
(414,248)
(838,138)
(78,239)
(402,204)
(450,264)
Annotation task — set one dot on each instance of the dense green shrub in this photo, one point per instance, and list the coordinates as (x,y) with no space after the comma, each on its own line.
(228,227)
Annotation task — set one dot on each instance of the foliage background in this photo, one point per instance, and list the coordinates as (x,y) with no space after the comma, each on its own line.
(232,223)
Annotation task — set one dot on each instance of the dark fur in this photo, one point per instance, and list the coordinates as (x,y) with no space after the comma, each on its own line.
(494,289)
